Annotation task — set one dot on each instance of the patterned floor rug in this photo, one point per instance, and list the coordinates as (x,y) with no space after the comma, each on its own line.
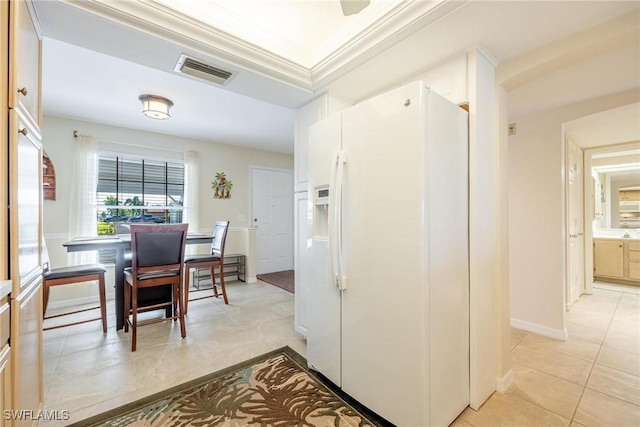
(274,389)
(282,279)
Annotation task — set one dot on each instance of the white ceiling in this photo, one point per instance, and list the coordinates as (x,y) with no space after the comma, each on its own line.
(83,84)
(282,53)
(304,32)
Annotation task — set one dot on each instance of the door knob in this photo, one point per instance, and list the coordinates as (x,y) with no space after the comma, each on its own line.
(23,91)
(23,131)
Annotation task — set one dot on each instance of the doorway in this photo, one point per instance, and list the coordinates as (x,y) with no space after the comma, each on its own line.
(601,135)
(613,169)
(272,217)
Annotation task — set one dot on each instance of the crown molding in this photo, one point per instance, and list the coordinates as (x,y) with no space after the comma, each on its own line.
(160,21)
(400,22)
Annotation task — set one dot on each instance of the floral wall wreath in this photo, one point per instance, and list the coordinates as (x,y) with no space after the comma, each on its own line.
(222,186)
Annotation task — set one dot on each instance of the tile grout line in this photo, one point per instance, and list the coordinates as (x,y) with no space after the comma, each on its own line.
(56,362)
(539,405)
(541,372)
(584,388)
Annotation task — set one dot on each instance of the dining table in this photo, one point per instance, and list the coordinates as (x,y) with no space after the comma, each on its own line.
(121,243)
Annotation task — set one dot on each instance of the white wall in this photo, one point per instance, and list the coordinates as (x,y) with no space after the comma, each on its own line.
(58,142)
(505,373)
(484,289)
(536,225)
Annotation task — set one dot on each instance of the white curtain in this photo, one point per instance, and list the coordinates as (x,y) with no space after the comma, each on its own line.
(83,204)
(191,205)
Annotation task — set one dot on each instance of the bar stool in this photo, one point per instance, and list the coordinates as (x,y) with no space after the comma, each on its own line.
(70,275)
(214,259)
(158,251)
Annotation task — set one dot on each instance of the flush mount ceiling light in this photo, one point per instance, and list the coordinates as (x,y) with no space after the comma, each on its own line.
(155,107)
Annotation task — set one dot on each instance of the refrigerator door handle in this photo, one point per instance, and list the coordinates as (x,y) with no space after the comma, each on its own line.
(333,209)
(342,279)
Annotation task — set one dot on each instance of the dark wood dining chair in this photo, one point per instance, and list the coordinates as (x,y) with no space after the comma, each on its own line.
(210,261)
(68,276)
(157,254)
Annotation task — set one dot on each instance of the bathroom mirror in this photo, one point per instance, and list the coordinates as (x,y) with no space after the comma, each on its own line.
(616,190)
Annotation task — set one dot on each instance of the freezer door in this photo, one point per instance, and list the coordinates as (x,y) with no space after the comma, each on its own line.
(323,335)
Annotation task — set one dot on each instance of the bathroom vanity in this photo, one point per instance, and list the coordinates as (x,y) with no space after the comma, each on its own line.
(617,259)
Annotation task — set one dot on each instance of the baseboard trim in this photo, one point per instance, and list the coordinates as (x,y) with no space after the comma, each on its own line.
(559,334)
(506,382)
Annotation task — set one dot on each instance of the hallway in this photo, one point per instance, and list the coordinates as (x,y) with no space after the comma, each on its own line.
(592,379)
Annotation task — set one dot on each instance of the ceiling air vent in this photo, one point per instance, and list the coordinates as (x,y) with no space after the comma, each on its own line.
(195,68)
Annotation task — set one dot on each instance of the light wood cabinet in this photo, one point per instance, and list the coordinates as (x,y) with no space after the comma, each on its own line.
(617,259)
(5,384)
(4,141)
(27,391)
(21,362)
(5,353)
(630,195)
(25,199)
(24,60)
(608,258)
(633,256)
(5,284)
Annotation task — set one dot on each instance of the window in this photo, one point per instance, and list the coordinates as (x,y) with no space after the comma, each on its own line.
(134,190)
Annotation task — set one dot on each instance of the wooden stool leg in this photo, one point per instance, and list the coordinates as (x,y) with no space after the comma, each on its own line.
(224,291)
(134,318)
(103,302)
(187,279)
(213,280)
(127,306)
(177,295)
(175,303)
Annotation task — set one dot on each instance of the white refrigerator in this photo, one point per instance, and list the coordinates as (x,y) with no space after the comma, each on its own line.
(389,264)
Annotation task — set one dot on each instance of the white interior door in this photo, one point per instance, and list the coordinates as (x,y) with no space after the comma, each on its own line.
(272,209)
(575,222)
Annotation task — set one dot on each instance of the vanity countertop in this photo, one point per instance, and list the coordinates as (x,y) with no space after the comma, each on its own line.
(634,238)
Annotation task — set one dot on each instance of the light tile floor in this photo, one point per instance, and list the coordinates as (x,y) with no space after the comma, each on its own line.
(592,379)
(87,372)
